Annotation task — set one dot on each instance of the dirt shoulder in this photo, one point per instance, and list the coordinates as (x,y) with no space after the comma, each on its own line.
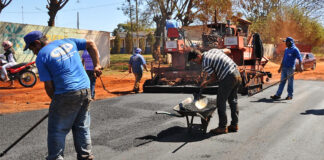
(19,99)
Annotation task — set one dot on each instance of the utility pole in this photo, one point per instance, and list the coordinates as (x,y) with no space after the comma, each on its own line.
(22,14)
(131,22)
(137,40)
(77,20)
(78,23)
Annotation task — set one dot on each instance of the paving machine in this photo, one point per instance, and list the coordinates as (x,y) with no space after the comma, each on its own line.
(183,76)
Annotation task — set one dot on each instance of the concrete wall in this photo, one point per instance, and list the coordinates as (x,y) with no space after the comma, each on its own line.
(15,32)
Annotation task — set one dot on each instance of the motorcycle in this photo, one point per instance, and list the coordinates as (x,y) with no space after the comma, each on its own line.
(23,73)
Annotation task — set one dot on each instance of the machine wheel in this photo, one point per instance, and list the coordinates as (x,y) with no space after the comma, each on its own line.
(27,79)
(314,66)
(254,85)
(242,89)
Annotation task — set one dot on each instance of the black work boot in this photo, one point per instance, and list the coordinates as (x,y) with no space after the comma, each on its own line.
(219,130)
(275,97)
(232,128)
(289,98)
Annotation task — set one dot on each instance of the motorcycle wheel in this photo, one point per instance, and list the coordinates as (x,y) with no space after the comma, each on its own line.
(27,79)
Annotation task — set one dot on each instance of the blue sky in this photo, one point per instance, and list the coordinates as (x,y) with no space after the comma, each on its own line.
(101,15)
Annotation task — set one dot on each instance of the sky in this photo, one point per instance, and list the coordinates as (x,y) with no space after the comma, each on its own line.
(100,15)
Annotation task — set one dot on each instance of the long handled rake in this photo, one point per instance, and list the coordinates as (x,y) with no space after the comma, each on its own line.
(273,84)
(104,87)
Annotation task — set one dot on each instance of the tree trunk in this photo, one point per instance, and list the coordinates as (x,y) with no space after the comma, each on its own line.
(52,14)
(158,37)
(53,7)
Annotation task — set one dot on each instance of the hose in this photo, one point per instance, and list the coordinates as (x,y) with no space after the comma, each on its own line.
(21,137)
(272,84)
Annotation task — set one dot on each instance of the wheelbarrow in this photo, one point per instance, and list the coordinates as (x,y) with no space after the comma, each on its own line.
(199,106)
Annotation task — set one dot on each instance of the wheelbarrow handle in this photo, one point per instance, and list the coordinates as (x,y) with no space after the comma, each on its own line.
(168,113)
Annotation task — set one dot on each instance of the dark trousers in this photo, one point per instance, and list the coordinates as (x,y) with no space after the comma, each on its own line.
(227,90)
(93,79)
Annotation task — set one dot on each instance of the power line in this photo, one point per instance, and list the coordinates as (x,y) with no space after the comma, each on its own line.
(22,14)
(68,10)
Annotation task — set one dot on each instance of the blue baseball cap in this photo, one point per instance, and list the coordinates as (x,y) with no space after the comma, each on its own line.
(138,50)
(289,39)
(31,37)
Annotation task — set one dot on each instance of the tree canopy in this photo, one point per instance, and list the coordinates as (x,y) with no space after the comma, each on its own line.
(53,7)
(4,4)
(273,19)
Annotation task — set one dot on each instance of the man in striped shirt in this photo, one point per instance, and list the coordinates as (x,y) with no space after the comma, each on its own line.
(222,68)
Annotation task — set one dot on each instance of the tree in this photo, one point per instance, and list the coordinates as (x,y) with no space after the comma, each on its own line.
(214,10)
(142,44)
(150,41)
(117,43)
(53,7)
(4,4)
(161,9)
(128,10)
(129,43)
(122,27)
(289,21)
(311,8)
(185,11)
(255,9)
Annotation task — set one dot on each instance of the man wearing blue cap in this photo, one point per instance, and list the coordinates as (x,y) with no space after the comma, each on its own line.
(136,64)
(287,69)
(67,84)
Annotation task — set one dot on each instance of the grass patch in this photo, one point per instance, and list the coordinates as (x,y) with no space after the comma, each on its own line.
(119,62)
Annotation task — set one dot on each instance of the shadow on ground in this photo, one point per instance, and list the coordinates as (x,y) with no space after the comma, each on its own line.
(176,134)
(318,112)
(7,87)
(266,100)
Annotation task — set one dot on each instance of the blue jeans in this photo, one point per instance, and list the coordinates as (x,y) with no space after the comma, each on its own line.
(93,79)
(285,72)
(69,111)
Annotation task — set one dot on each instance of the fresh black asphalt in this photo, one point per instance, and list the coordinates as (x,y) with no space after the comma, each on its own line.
(127,127)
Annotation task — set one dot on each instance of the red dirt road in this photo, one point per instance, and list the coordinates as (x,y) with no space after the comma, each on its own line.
(19,99)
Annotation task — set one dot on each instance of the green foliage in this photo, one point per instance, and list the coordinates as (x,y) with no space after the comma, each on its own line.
(289,21)
(129,43)
(123,27)
(117,44)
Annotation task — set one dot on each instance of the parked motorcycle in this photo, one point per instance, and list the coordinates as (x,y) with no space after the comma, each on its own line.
(23,73)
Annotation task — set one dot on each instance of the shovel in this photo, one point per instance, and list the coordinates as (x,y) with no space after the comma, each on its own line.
(200,101)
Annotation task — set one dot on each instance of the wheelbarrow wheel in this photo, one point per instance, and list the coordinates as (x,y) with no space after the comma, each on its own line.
(204,124)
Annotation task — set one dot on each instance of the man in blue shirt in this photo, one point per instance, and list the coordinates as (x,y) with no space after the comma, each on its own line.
(136,63)
(67,84)
(287,69)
